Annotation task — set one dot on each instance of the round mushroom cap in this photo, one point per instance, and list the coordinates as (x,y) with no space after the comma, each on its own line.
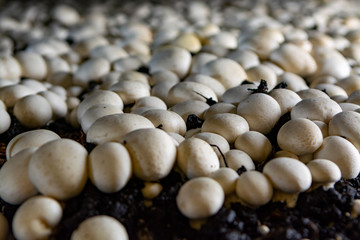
(30,139)
(130,91)
(226,177)
(200,198)
(286,98)
(288,175)
(255,144)
(16,186)
(57,104)
(100,227)
(168,120)
(346,124)
(184,109)
(196,158)
(319,108)
(237,94)
(237,159)
(175,59)
(220,107)
(5,120)
(36,218)
(216,141)
(152,152)
(254,188)
(32,64)
(109,167)
(300,136)
(343,153)
(33,111)
(115,126)
(261,111)
(58,173)
(228,125)
(4,227)
(324,171)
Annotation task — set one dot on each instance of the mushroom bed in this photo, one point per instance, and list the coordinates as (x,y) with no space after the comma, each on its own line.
(180,120)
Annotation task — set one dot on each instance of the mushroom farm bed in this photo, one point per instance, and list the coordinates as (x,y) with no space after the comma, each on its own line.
(180,120)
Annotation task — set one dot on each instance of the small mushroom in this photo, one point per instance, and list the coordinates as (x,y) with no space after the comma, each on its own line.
(226,177)
(36,218)
(32,64)
(186,108)
(324,172)
(109,167)
(152,151)
(168,120)
(58,173)
(220,107)
(5,120)
(254,188)
(200,198)
(196,158)
(219,143)
(130,91)
(237,159)
(151,190)
(92,69)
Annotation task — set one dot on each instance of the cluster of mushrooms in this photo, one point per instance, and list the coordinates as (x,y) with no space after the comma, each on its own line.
(234,70)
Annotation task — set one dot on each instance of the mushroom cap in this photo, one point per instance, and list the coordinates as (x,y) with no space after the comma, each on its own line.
(236,159)
(300,136)
(152,152)
(343,153)
(113,127)
(170,121)
(100,227)
(109,167)
(196,158)
(200,198)
(5,120)
(228,125)
(288,175)
(58,173)
(324,171)
(226,177)
(216,140)
(36,218)
(254,188)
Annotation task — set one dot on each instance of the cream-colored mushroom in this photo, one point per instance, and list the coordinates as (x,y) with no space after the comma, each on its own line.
(5,120)
(84,46)
(331,89)
(183,91)
(288,175)
(168,121)
(109,167)
(319,108)
(16,186)
(4,228)
(245,57)
(98,97)
(161,90)
(188,41)
(66,15)
(255,144)
(36,218)
(284,153)
(199,60)
(349,84)
(216,141)
(113,127)
(225,70)
(294,82)
(33,111)
(109,52)
(58,173)
(149,101)
(354,97)
(196,158)
(254,188)
(220,107)
(174,59)
(226,177)
(293,59)
(256,73)
(286,98)
(312,93)
(129,63)
(348,106)
(177,137)
(346,124)
(324,128)
(10,69)
(300,136)
(237,94)
(32,64)
(12,93)
(100,227)
(343,153)
(228,125)
(237,159)
(152,151)
(162,76)
(151,190)
(212,83)
(130,91)
(324,172)
(184,109)
(261,111)
(29,139)
(92,69)
(57,104)
(200,198)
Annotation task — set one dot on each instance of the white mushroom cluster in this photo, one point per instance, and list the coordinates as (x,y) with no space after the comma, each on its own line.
(248,105)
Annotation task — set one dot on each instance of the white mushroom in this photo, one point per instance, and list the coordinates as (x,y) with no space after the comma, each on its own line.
(343,153)
(36,218)
(261,111)
(196,158)
(113,127)
(255,144)
(216,141)
(184,109)
(200,198)
(92,69)
(188,41)
(57,104)
(237,94)
(300,136)
(324,171)
(288,175)
(254,188)
(237,159)
(286,98)
(100,227)
(5,120)
(16,186)
(59,173)
(109,167)
(220,107)
(152,151)
(167,120)
(226,177)
(33,111)
(10,94)
(32,64)
(130,91)
(151,190)
(228,125)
